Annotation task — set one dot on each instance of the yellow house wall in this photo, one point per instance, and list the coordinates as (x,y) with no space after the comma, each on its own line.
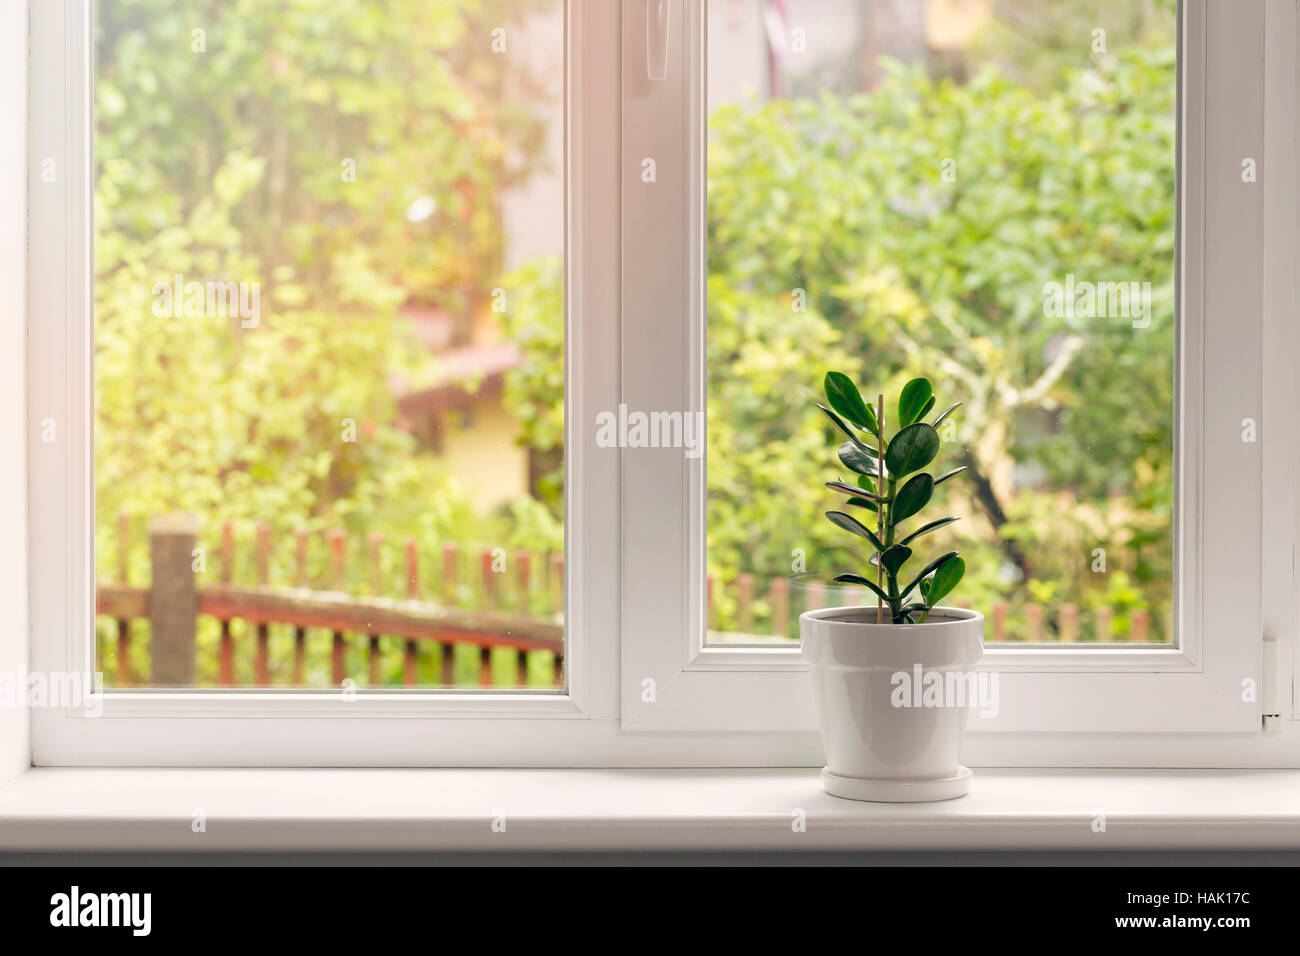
(481,451)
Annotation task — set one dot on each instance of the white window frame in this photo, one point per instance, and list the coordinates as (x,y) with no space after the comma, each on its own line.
(1124,692)
(635,517)
(288,726)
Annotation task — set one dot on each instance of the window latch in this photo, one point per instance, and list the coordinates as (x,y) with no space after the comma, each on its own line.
(656,39)
(1269,696)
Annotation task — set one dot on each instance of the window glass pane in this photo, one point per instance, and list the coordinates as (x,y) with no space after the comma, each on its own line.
(982,193)
(329,342)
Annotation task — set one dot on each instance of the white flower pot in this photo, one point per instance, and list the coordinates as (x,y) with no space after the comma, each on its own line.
(889,737)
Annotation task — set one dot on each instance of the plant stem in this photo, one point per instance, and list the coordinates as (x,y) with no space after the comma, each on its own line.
(880,505)
(895,604)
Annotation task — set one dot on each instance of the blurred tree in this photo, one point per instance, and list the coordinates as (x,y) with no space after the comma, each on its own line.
(847,198)
(534,392)
(1030,41)
(345,158)
(1068,424)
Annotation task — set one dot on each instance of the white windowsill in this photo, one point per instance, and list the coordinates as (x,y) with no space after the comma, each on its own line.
(577,810)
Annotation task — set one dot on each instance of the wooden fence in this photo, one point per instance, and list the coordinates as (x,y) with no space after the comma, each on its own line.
(514,609)
(175,600)
(1030,623)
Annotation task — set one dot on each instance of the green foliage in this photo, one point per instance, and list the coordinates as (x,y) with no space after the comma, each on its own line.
(228,163)
(911,448)
(843,198)
(900,273)
(939,585)
(401,89)
(534,392)
(251,424)
(845,399)
(916,398)
(233,163)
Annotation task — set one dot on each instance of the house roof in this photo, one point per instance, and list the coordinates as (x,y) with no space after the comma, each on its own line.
(463,375)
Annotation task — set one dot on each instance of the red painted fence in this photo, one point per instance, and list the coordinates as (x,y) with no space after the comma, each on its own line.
(507,603)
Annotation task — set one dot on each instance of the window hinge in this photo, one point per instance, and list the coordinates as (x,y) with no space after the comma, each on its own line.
(1270,693)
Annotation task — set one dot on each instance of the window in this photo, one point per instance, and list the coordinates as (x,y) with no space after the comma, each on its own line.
(349,226)
(820,225)
(325,310)
(469,263)
(962,191)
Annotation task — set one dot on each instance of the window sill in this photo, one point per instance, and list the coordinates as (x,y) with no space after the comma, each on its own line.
(585,810)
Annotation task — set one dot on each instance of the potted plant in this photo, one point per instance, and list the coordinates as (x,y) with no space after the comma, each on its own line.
(892,682)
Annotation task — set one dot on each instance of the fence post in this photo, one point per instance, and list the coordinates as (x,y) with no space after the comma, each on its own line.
(780,598)
(123,575)
(524,580)
(262,660)
(410,660)
(1103,624)
(299,633)
(488,590)
(1069,623)
(488,597)
(173,599)
(450,592)
(523,575)
(374,557)
(557,579)
(226,659)
(1141,622)
(1034,623)
(744,596)
(337,546)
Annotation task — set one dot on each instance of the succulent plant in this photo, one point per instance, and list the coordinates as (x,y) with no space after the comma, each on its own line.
(892,487)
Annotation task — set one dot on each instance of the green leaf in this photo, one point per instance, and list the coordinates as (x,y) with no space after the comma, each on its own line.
(847,578)
(847,400)
(944,477)
(912,401)
(944,580)
(852,435)
(854,526)
(912,497)
(856,460)
(905,615)
(911,450)
(945,413)
(932,566)
(846,489)
(895,558)
(927,528)
(926,411)
(862,503)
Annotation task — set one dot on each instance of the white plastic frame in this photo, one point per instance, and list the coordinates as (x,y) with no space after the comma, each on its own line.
(224,727)
(711,707)
(1195,687)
